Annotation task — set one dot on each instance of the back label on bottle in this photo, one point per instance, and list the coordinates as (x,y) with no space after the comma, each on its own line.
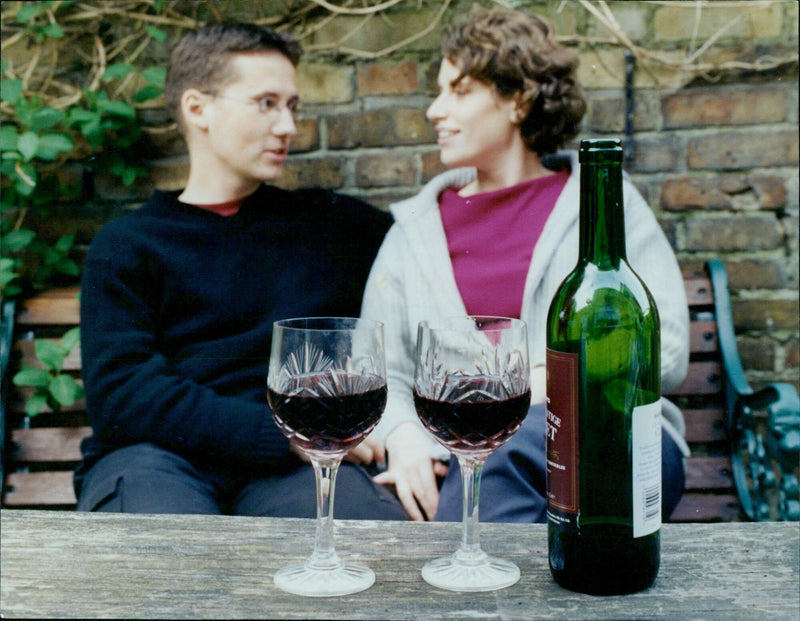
(646,456)
(563,490)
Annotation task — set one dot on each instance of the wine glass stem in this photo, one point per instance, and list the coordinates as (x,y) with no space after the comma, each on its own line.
(324,555)
(471,469)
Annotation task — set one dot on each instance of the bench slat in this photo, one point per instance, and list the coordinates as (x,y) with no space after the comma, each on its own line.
(703,378)
(703,337)
(27,353)
(698,289)
(49,444)
(706,508)
(709,473)
(705,425)
(27,489)
(56,307)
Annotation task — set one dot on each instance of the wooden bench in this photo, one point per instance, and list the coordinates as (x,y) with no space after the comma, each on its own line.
(723,416)
(40,452)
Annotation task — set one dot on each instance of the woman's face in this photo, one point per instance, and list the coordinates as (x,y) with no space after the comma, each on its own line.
(475,126)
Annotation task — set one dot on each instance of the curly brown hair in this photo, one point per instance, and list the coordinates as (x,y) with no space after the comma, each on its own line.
(518,55)
(201,58)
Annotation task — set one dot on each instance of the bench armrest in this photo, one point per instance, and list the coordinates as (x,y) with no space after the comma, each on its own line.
(764,448)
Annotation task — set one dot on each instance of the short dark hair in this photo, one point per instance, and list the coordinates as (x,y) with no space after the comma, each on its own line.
(517,54)
(201,58)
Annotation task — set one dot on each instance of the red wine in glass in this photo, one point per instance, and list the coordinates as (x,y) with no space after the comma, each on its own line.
(331,423)
(471,419)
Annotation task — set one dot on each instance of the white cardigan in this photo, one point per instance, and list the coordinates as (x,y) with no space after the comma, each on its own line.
(412,279)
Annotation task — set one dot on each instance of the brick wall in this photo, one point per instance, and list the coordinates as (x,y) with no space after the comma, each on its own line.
(715,150)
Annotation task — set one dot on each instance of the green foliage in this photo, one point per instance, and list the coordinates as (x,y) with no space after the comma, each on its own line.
(52,388)
(39,134)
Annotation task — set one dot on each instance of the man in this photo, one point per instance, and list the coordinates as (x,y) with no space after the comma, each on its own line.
(179,297)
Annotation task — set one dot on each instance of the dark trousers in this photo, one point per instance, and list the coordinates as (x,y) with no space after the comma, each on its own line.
(513,484)
(144,478)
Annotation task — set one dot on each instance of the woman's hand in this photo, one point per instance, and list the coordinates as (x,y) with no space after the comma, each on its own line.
(370,450)
(412,471)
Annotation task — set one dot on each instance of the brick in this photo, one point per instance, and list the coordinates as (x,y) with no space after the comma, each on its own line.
(307,137)
(791,353)
(600,69)
(431,165)
(378,32)
(388,79)
(756,273)
(745,149)
(725,106)
(655,154)
(606,112)
(384,169)
(319,83)
(380,128)
(731,233)
(725,192)
(324,172)
(757,354)
(765,314)
(679,21)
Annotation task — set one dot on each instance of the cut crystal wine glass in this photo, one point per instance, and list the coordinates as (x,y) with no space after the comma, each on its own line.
(472,392)
(327,391)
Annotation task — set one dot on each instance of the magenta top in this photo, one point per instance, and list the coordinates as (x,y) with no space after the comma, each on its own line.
(491,237)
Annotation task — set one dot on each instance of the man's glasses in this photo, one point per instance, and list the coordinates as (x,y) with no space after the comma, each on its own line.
(268,104)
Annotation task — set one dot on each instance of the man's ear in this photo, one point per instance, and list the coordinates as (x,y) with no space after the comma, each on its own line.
(193,108)
(520,110)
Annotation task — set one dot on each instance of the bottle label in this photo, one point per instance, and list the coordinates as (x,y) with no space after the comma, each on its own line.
(562,438)
(646,456)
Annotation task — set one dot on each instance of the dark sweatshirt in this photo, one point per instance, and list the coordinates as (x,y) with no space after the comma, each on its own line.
(177,306)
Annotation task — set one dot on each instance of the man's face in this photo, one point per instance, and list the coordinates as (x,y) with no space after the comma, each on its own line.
(251,118)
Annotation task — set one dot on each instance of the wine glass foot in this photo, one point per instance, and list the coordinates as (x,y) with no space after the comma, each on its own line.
(486,574)
(345,579)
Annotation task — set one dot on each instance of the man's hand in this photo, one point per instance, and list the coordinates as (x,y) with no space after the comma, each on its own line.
(412,471)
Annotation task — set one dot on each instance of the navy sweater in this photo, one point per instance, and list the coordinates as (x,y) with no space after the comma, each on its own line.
(177,306)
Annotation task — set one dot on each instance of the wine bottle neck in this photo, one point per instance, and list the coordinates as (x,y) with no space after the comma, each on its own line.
(602,220)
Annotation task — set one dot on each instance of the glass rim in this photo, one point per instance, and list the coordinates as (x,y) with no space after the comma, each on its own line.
(450,322)
(326,323)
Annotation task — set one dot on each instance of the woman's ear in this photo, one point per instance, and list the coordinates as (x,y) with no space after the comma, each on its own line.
(520,110)
(193,108)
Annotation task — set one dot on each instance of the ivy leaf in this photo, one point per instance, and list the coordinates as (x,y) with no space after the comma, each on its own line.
(155,75)
(14,241)
(64,389)
(11,91)
(46,117)
(28,376)
(27,144)
(158,35)
(35,404)
(49,354)
(53,30)
(71,338)
(50,145)
(8,138)
(28,11)
(148,92)
(117,108)
(117,71)
(64,243)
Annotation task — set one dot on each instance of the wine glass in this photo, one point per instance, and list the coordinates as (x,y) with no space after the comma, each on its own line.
(472,392)
(327,391)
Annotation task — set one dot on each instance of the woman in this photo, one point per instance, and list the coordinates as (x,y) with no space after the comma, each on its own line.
(496,235)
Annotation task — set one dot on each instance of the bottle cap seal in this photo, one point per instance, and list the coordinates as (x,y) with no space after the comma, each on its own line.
(600,151)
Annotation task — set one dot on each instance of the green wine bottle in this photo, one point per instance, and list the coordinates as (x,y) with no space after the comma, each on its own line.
(603,409)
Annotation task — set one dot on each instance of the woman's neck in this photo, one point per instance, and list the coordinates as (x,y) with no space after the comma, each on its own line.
(514,169)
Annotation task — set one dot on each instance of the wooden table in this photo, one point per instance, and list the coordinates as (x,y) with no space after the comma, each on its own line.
(63,564)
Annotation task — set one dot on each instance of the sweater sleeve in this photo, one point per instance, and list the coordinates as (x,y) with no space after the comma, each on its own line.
(133,393)
(385,300)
